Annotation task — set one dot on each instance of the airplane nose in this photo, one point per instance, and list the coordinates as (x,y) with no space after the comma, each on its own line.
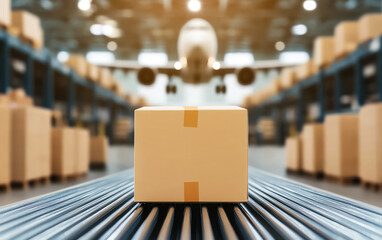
(197,78)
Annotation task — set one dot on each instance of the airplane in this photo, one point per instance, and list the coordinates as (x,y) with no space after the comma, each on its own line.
(197,51)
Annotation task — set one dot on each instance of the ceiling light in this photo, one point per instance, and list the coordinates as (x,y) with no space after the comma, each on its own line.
(238,59)
(194,5)
(107,30)
(100,57)
(280,45)
(294,57)
(112,46)
(96,29)
(84,5)
(216,65)
(309,5)
(63,56)
(299,29)
(178,65)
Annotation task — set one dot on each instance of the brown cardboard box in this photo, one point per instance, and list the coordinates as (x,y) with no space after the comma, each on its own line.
(19,98)
(191,154)
(104,78)
(306,70)
(118,88)
(31,143)
(79,64)
(341,145)
(288,78)
(323,52)
(92,72)
(346,38)
(30,27)
(82,150)
(370,142)
(5,13)
(5,145)
(293,147)
(369,27)
(313,148)
(98,150)
(64,151)
(4,100)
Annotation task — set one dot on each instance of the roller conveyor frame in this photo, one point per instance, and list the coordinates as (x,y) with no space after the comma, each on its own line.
(276,209)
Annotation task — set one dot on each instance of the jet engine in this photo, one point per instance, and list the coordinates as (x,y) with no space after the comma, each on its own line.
(245,76)
(146,76)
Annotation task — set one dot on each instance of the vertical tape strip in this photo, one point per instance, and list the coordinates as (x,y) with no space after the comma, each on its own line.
(191,191)
(191,117)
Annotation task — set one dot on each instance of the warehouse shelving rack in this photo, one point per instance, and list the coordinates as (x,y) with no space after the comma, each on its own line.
(326,88)
(50,67)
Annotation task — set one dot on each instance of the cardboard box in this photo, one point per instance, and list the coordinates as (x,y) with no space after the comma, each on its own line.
(313,148)
(31,143)
(79,64)
(63,151)
(5,13)
(104,78)
(191,154)
(323,51)
(346,38)
(118,88)
(293,148)
(341,145)
(370,142)
(288,78)
(306,70)
(5,145)
(369,27)
(30,27)
(98,150)
(92,72)
(82,151)
(18,97)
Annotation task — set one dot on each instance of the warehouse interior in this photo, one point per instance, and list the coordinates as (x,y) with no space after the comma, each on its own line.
(79,160)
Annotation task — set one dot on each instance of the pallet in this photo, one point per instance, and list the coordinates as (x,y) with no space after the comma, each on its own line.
(31,183)
(315,175)
(294,172)
(98,166)
(5,187)
(371,186)
(342,180)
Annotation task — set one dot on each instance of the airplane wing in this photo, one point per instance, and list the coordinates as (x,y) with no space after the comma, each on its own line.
(126,65)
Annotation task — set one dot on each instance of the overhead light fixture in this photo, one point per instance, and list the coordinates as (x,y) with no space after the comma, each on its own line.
(239,59)
(96,29)
(100,57)
(194,5)
(84,5)
(280,45)
(299,29)
(216,65)
(294,57)
(112,46)
(62,56)
(309,5)
(178,65)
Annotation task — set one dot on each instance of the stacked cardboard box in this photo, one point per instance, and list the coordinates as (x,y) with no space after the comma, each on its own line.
(345,38)
(117,88)
(313,148)
(98,151)
(82,151)
(306,70)
(30,27)
(5,13)
(104,78)
(288,78)
(323,51)
(266,127)
(79,64)
(63,152)
(369,27)
(294,153)
(341,146)
(5,142)
(197,154)
(123,127)
(92,72)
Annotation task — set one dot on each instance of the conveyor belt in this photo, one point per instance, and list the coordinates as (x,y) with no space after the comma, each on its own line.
(104,209)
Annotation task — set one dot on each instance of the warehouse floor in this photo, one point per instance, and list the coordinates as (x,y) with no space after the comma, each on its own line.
(268,158)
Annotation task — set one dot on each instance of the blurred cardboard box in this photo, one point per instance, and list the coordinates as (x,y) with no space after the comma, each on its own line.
(370,142)
(98,150)
(79,64)
(63,151)
(57,119)
(294,153)
(5,13)
(82,148)
(5,144)
(369,27)
(31,143)
(18,97)
(104,78)
(30,27)
(191,154)
(288,78)
(341,145)
(118,88)
(313,148)
(346,38)
(323,51)
(306,70)
(92,72)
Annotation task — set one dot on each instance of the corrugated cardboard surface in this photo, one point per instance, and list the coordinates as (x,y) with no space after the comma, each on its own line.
(346,38)
(28,23)
(5,145)
(369,26)
(341,145)
(294,153)
(370,143)
(323,51)
(82,148)
(98,149)
(168,154)
(63,151)
(313,148)
(5,12)
(31,143)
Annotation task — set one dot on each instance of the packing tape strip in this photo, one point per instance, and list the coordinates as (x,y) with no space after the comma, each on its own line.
(191,191)
(191,117)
